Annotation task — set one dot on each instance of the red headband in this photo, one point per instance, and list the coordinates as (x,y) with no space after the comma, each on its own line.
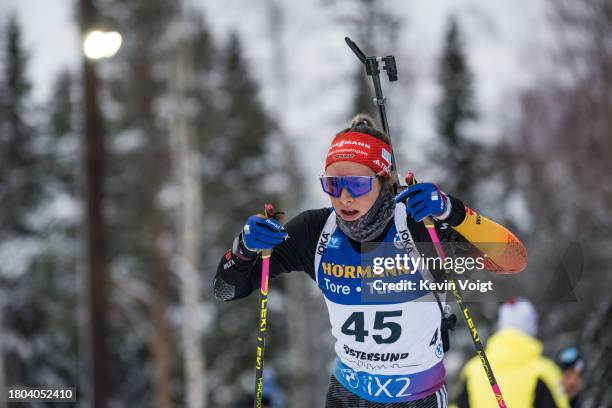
(360,148)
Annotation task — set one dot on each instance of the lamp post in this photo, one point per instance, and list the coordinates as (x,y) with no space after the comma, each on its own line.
(97,44)
(101,44)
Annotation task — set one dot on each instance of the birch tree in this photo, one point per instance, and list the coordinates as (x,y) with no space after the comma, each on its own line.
(188,225)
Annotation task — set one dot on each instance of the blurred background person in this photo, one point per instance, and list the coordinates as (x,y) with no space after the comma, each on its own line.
(526,378)
(572,365)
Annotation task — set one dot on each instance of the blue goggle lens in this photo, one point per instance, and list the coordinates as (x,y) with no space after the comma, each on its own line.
(355,185)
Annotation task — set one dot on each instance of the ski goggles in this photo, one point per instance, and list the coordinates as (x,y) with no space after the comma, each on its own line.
(355,185)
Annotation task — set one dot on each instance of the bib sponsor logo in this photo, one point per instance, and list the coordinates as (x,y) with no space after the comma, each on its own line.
(335,242)
(378,386)
(397,242)
(406,239)
(374,356)
(323,241)
(359,272)
(345,271)
(351,378)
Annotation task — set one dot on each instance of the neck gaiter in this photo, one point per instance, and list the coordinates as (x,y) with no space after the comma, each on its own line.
(371,224)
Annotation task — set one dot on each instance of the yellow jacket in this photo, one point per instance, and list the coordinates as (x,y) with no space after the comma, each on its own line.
(518,365)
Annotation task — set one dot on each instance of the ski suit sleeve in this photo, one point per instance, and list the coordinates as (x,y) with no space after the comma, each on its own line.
(505,252)
(239,274)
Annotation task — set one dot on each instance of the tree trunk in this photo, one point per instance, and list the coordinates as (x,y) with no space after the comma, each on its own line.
(162,356)
(189,222)
(157,264)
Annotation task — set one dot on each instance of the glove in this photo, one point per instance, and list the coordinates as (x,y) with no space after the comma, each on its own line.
(425,199)
(262,233)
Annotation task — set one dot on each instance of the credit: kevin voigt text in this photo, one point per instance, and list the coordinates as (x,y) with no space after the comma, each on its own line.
(380,286)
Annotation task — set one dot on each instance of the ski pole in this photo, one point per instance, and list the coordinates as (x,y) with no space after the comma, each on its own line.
(261,335)
(372,70)
(480,352)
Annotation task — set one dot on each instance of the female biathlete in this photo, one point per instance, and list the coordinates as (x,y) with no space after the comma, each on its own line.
(389,349)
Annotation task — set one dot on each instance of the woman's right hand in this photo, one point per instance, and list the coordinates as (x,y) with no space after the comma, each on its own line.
(262,233)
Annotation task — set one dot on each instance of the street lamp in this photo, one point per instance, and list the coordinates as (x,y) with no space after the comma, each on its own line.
(101,44)
(96,45)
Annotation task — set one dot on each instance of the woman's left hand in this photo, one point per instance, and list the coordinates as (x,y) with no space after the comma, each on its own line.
(423,199)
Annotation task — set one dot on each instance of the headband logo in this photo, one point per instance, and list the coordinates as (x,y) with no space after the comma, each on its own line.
(386,155)
(351,142)
(344,156)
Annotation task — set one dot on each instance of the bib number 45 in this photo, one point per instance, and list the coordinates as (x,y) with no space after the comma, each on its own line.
(355,326)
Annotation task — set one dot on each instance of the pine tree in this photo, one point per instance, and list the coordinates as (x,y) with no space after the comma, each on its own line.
(236,150)
(18,197)
(454,112)
(18,192)
(38,168)
(62,146)
(58,268)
